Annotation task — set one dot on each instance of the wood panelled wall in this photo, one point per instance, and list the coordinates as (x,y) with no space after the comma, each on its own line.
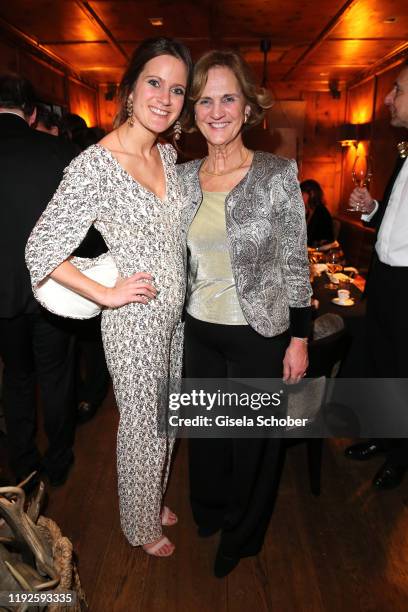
(322,156)
(53,85)
(319,155)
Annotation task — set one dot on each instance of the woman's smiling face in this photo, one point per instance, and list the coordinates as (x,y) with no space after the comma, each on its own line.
(158,94)
(220,110)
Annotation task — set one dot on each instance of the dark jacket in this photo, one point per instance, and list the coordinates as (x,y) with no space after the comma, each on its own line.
(31,167)
(319,226)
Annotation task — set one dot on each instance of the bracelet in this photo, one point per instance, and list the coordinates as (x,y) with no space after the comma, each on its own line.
(304,340)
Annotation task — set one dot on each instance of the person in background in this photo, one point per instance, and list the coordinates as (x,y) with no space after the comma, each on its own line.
(248,301)
(127,186)
(34,345)
(86,137)
(318,218)
(92,373)
(386,335)
(46,121)
(70,125)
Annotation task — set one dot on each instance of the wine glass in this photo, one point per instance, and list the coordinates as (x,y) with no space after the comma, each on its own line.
(362,173)
(333,263)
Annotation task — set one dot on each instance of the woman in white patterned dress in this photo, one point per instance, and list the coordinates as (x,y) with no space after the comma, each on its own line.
(128,188)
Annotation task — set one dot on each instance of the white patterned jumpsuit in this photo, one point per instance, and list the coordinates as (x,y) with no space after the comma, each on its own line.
(143,343)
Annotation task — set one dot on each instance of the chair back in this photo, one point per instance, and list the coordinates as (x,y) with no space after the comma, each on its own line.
(326,354)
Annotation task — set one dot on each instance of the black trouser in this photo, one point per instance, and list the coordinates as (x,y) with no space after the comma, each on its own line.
(37,347)
(387,336)
(92,373)
(233,481)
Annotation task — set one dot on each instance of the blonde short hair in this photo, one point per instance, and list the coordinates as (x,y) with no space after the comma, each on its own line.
(258,99)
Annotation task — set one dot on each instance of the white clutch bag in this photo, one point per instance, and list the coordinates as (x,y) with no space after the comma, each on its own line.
(67,303)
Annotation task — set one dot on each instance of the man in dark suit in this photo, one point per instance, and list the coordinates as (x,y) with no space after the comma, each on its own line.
(34,345)
(386,320)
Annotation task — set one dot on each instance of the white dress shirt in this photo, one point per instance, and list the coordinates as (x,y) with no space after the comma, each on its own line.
(392,239)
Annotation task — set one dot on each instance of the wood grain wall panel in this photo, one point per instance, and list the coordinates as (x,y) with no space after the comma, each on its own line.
(8,58)
(107,109)
(83,102)
(321,153)
(360,102)
(48,83)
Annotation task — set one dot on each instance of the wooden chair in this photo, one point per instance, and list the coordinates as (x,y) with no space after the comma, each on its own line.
(325,356)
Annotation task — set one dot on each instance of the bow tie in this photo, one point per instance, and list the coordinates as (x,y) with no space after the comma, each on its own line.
(403,149)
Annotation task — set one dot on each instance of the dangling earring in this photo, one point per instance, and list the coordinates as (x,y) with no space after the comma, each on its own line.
(177,130)
(129,112)
(246,115)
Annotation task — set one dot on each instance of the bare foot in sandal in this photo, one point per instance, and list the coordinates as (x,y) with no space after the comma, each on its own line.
(160,548)
(168,518)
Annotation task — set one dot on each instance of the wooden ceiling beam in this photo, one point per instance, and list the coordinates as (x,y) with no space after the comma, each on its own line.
(388,61)
(333,23)
(44,54)
(95,19)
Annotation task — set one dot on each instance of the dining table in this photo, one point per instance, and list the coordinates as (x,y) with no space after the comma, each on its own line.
(353,317)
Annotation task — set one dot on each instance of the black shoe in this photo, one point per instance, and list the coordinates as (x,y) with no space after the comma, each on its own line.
(60,477)
(389,476)
(364,450)
(85,412)
(224,565)
(205,531)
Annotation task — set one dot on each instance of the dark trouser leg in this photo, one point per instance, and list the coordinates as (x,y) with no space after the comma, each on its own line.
(92,373)
(53,346)
(210,459)
(256,461)
(19,383)
(387,337)
(236,475)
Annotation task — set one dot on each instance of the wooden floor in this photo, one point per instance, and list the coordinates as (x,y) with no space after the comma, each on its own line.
(345,551)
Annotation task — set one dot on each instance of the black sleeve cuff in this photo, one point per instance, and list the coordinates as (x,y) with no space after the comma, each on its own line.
(300,321)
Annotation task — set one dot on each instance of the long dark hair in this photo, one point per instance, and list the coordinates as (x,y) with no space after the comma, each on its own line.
(316,195)
(147,50)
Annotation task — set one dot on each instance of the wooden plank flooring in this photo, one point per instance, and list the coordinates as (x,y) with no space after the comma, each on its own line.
(345,551)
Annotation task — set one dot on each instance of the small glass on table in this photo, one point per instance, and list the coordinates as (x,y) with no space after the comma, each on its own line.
(333,262)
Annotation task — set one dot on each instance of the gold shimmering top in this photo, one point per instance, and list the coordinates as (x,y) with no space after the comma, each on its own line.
(212,295)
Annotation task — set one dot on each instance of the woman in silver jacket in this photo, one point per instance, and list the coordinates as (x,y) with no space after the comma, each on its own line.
(248,302)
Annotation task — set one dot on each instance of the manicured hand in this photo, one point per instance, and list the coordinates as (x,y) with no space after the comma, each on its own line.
(135,288)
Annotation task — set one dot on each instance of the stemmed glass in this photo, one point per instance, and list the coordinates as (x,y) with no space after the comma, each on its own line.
(333,260)
(362,173)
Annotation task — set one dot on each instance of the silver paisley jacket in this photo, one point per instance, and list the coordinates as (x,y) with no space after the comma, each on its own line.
(266,230)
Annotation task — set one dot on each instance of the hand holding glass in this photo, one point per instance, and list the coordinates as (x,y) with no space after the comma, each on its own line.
(362,174)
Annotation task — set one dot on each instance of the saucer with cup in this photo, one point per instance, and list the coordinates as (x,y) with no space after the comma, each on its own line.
(343,298)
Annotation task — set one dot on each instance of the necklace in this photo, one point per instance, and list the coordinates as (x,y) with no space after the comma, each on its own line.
(227,171)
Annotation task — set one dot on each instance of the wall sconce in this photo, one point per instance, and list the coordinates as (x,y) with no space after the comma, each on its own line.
(350,134)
